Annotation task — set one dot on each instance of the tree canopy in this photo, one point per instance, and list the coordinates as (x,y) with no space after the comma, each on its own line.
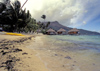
(14,19)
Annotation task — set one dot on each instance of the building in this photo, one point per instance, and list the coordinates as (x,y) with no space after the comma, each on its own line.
(73,31)
(51,32)
(61,32)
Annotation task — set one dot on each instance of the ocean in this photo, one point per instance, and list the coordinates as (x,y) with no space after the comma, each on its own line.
(68,53)
(85,41)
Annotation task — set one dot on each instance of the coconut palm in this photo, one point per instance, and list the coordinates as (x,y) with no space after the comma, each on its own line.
(44,17)
(14,16)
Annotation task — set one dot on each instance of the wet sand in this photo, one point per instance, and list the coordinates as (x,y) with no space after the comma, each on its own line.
(14,56)
(65,56)
(40,53)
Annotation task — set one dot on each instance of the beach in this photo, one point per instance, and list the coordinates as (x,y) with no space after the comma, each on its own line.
(59,55)
(44,53)
(14,56)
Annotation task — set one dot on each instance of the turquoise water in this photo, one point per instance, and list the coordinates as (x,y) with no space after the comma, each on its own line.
(68,53)
(82,40)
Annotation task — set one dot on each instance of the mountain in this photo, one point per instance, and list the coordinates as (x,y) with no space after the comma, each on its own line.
(56,26)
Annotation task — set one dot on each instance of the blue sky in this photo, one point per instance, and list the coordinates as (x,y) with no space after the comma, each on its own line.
(83,14)
(91,17)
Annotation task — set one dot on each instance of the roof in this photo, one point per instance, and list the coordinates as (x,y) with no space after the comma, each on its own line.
(51,30)
(74,30)
(61,30)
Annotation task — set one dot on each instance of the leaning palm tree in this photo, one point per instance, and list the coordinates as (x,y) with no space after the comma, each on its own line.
(24,4)
(13,15)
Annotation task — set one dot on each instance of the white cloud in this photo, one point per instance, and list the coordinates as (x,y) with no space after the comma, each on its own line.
(68,12)
(84,22)
(90,12)
(55,10)
(99,31)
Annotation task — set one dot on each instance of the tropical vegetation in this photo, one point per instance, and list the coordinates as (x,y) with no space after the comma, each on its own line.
(14,19)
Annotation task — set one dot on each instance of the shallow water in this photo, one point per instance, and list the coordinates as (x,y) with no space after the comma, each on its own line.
(89,42)
(67,53)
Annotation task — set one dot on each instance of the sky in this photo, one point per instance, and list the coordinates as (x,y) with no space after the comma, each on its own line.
(82,14)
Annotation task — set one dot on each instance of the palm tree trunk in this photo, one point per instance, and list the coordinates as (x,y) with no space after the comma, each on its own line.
(24,4)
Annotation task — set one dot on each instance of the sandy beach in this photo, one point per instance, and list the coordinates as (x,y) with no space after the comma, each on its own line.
(14,56)
(65,56)
(40,53)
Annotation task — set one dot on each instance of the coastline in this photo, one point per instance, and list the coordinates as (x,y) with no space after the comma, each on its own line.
(14,56)
(42,53)
(59,55)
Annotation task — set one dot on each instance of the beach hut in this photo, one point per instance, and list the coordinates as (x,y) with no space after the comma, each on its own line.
(61,32)
(73,31)
(51,32)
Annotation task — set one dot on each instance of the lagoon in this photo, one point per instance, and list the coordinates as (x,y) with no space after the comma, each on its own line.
(68,53)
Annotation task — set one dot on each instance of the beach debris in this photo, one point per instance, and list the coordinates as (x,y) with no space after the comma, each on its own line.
(63,66)
(68,57)
(75,62)
(5,48)
(56,54)
(3,53)
(8,60)
(9,65)
(24,53)
(73,65)
(17,50)
(4,45)
(93,64)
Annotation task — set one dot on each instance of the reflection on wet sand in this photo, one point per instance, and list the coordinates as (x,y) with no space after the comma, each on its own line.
(65,56)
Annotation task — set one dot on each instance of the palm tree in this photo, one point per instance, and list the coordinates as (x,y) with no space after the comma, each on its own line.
(24,4)
(15,17)
(2,7)
(44,17)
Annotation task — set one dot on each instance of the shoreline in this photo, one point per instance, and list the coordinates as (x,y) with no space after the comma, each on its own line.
(40,53)
(65,56)
(14,56)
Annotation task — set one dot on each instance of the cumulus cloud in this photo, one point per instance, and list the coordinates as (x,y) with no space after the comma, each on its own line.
(84,22)
(99,31)
(90,13)
(62,11)
(67,12)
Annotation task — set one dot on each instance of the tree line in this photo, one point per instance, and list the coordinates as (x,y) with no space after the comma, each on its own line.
(14,19)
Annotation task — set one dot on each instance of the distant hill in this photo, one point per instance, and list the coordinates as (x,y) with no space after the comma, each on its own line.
(56,26)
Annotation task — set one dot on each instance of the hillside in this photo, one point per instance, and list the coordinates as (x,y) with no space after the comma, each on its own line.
(56,26)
